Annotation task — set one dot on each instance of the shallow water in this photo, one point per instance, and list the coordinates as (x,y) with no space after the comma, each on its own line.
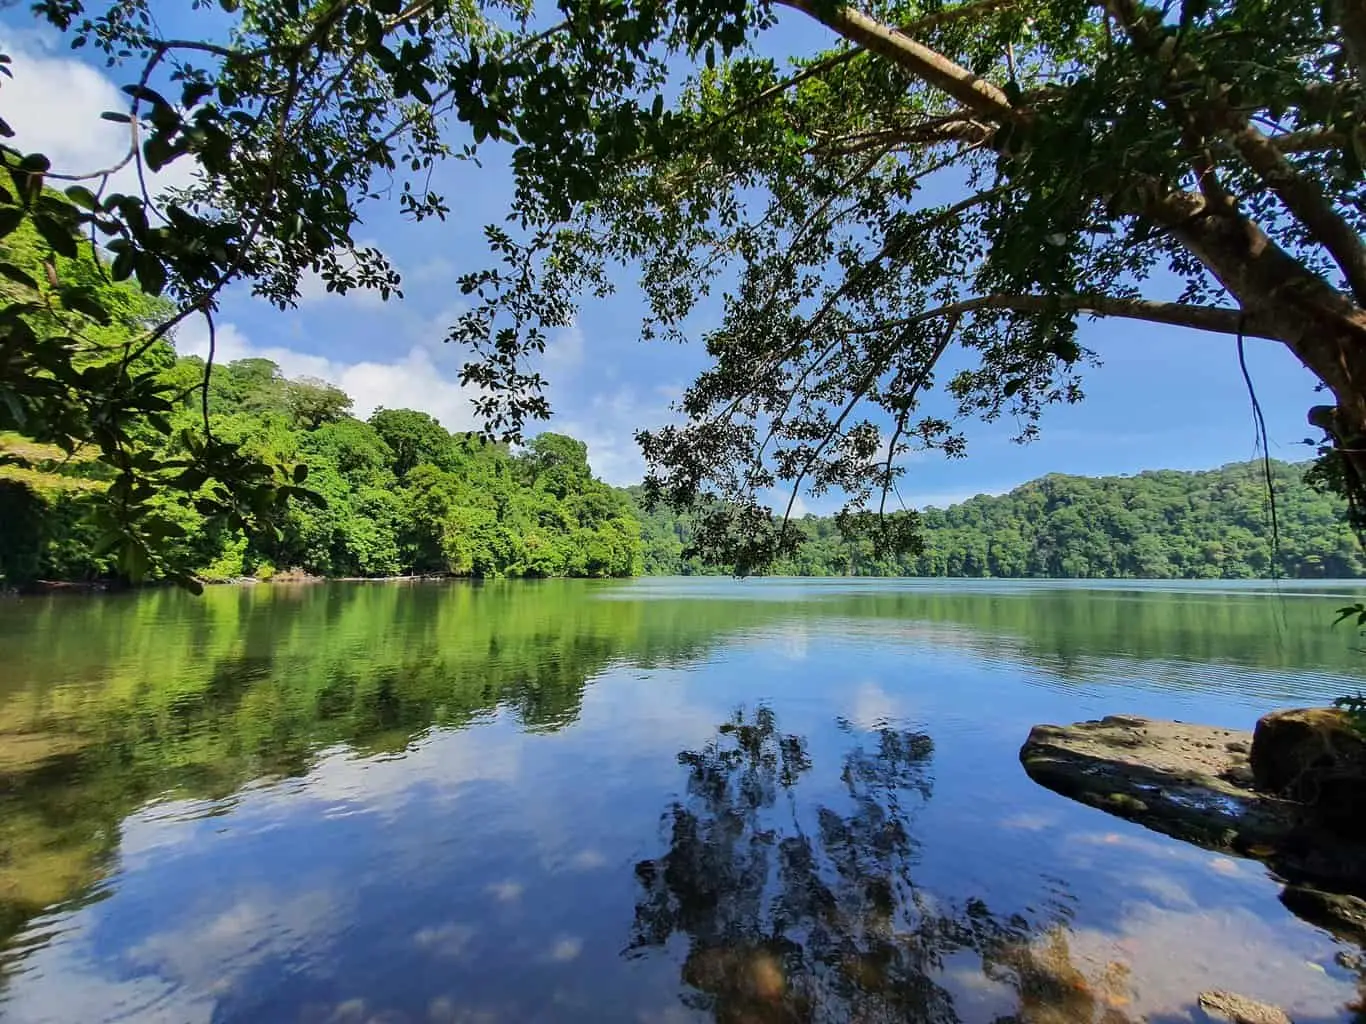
(768,800)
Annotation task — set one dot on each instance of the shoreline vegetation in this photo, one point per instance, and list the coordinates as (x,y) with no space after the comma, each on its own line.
(400,497)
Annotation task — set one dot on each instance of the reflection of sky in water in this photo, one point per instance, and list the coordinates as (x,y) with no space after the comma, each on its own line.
(487,874)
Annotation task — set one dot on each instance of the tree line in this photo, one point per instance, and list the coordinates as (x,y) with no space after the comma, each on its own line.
(1158,524)
(1097,147)
(395,494)
(398,494)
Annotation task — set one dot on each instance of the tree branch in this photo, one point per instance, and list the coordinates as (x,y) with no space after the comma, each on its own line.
(1298,193)
(1350,16)
(1216,319)
(956,127)
(1309,141)
(820,67)
(924,63)
(1306,201)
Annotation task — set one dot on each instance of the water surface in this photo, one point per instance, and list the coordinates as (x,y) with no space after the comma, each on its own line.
(767,800)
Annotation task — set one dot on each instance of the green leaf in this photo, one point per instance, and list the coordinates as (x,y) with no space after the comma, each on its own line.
(151,274)
(187,582)
(56,234)
(10,218)
(83,197)
(135,561)
(124,261)
(157,151)
(18,276)
(18,415)
(107,541)
(84,300)
(194,92)
(160,528)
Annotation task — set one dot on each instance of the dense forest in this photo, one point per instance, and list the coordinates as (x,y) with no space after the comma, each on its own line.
(401,495)
(1158,524)
(397,494)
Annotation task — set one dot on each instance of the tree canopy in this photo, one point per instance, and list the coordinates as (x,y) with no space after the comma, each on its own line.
(1160,524)
(457,505)
(1194,164)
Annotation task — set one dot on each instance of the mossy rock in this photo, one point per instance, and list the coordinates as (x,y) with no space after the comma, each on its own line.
(1317,758)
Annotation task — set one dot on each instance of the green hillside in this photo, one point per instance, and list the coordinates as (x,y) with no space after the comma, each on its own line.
(1158,524)
(402,495)
(399,495)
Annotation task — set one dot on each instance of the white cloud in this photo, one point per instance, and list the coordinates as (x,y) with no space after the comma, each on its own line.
(214,953)
(412,381)
(778,497)
(567,948)
(176,975)
(54,103)
(564,350)
(873,708)
(608,424)
(312,288)
(436,269)
(1176,953)
(447,941)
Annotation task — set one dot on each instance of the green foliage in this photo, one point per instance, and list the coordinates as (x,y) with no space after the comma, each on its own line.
(1354,706)
(1155,525)
(1096,147)
(428,502)
(88,376)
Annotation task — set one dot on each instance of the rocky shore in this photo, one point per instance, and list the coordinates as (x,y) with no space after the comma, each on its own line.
(1288,795)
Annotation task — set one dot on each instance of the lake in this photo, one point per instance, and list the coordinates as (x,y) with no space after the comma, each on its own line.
(650,801)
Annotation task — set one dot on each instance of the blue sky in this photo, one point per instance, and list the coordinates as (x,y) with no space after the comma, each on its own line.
(1163,398)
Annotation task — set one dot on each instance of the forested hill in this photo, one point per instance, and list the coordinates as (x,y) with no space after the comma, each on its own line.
(401,495)
(1157,524)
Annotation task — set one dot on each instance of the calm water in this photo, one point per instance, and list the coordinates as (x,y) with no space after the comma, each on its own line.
(650,802)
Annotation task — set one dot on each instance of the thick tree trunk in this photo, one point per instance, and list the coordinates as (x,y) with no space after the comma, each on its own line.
(1323,327)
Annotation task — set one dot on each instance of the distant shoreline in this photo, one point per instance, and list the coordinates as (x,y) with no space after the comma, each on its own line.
(40,588)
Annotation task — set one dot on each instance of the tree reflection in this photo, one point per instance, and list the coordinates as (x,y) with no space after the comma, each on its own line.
(807,910)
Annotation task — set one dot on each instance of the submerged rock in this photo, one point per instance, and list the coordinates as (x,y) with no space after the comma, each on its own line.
(1240,1009)
(1195,783)
(1343,915)
(1315,757)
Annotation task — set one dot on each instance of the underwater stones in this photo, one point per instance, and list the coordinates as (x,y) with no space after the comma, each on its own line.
(1344,916)
(1239,1009)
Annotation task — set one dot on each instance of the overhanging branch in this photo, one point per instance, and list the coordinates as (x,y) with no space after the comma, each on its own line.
(1216,319)
(1303,197)
(928,65)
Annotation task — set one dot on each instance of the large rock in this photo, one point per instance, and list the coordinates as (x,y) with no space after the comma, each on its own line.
(1317,758)
(1193,782)
(1344,916)
(1189,781)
